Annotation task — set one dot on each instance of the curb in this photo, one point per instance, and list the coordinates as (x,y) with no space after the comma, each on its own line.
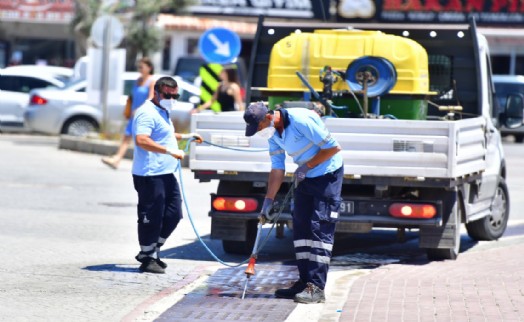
(144,311)
(98,146)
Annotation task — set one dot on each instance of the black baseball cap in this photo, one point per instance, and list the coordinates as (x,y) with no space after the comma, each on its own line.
(254,114)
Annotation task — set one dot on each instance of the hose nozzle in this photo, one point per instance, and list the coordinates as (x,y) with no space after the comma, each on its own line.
(250,270)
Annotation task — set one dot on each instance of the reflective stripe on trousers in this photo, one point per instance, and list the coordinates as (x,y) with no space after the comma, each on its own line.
(316,199)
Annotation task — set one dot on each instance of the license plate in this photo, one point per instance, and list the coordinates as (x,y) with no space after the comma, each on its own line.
(346,208)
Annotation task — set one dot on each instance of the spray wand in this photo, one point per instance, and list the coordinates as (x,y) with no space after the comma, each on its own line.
(250,270)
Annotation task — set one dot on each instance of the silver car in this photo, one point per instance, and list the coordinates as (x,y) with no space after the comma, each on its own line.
(15,85)
(66,111)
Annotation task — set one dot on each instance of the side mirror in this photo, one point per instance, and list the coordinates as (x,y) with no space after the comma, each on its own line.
(514,111)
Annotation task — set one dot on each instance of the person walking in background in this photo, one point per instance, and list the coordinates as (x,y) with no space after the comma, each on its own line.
(156,148)
(227,94)
(143,89)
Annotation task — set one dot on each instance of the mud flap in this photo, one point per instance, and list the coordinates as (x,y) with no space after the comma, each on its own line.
(446,235)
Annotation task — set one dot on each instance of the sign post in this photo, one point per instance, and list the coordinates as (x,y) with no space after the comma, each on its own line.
(107,32)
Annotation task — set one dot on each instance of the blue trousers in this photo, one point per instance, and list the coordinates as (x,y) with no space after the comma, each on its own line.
(159,210)
(317,202)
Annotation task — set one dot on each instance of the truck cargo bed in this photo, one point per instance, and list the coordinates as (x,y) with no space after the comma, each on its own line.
(370,147)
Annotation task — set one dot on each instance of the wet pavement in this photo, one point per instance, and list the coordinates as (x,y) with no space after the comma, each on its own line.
(388,283)
(220,298)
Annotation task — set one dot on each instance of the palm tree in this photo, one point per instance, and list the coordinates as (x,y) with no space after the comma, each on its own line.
(138,17)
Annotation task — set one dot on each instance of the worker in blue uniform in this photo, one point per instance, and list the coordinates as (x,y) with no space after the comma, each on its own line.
(301,134)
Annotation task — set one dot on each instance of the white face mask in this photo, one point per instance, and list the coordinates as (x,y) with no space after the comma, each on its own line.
(268,132)
(167,104)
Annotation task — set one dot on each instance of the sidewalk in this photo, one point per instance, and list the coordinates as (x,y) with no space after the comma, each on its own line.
(484,285)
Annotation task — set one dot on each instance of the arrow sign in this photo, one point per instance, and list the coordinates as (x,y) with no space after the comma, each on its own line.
(222,48)
(219,45)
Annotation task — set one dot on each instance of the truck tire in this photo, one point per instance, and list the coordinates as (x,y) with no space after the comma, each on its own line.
(451,229)
(492,227)
(242,247)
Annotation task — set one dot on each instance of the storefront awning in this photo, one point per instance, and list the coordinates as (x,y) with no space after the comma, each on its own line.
(171,22)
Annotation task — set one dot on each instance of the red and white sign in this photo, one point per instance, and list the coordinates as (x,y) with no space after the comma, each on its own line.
(52,11)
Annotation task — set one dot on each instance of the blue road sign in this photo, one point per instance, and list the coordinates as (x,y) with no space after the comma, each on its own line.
(219,45)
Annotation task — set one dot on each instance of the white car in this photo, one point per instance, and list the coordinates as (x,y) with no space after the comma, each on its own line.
(66,111)
(63,74)
(15,85)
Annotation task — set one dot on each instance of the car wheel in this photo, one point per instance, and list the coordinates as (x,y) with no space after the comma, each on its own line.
(80,126)
(492,227)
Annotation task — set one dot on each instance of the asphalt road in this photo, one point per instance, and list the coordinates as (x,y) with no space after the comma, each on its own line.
(68,234)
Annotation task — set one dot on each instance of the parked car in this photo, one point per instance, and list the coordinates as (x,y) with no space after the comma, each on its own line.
(64,74)
(15,85)
(66,111)
(504,86)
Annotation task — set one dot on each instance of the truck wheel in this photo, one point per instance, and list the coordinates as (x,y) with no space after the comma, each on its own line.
(492,227)
(451,230)
(242,247)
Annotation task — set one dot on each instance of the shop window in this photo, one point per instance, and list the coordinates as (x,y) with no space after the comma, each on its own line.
(166,55)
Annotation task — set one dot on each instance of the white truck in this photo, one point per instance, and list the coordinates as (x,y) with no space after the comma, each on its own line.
(431,173)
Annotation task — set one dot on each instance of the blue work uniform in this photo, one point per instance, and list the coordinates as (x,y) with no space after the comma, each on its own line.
(159,199)
(317,197)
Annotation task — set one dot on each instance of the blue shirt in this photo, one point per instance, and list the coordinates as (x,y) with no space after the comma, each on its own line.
(140,94)
(153,121)
(303,136)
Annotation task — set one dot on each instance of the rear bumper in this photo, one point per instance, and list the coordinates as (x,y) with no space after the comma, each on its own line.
(375,220)
(37,119)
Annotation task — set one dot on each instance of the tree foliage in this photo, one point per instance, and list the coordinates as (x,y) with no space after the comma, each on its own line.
(138,16)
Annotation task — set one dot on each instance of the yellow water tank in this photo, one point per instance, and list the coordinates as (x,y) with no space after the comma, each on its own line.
(308,53)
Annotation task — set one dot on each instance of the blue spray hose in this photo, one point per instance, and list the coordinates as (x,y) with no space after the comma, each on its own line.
(255,251)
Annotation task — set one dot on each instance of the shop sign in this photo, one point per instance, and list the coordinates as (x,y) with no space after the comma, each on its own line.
(269,8)
(487,12)
(36,10)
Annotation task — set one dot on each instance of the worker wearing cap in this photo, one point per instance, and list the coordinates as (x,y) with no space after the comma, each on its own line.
(301,134)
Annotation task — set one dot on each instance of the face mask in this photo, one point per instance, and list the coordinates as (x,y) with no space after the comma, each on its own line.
(167,104)
(268,132)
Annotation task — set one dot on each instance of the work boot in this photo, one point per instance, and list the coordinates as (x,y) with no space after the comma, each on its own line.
(150,265)
(289,293)
(311,294)
(141,258)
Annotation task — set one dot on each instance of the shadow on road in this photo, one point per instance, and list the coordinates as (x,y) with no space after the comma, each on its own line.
(376,244)
(121,268)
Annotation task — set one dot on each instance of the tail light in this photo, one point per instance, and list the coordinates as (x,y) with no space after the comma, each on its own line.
(409,210)
(37,100)
(235,204)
